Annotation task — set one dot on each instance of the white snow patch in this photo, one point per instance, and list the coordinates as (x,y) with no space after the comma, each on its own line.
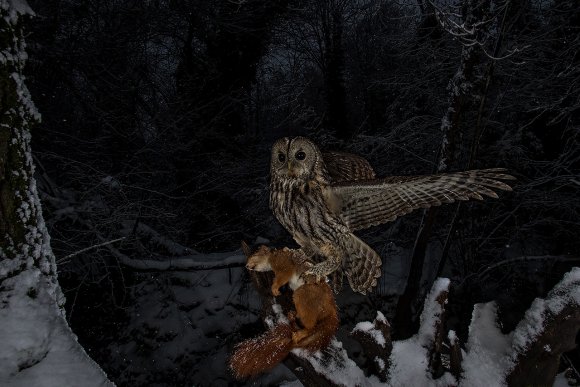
(561,380)
(339,369)
(452,336)
(369,328)
(279,313)
(380,363)
(409,366)
(566,292)
(15,8)
(485,362)
(38,348)
(432,311)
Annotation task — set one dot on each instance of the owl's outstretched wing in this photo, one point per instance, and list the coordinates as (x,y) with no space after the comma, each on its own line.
(343,166)
(367,203)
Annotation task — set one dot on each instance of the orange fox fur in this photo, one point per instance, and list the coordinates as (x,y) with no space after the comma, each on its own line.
(316,312)
(286,264)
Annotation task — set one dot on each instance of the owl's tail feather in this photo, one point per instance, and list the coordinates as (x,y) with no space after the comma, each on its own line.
(363,265)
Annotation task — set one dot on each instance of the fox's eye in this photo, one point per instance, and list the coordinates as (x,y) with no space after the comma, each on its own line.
(300,155)
(281,157)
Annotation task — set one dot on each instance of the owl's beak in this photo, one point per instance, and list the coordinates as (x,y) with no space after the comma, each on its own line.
(291,171)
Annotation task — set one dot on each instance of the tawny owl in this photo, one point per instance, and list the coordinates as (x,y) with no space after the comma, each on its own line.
(321,198)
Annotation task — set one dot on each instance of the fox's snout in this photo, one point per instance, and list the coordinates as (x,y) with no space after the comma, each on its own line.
(258,263)
(253,262)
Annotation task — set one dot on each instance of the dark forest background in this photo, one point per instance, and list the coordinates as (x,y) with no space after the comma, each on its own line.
(158,117)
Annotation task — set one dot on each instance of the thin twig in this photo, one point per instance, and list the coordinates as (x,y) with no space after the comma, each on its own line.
(65,259)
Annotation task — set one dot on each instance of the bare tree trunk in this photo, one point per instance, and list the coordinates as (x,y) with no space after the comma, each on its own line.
(336,116)
(460,88)
(476,137)
(34,334)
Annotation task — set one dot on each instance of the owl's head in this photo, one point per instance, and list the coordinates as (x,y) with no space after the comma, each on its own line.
(295,158)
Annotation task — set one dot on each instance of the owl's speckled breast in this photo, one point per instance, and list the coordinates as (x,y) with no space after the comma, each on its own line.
(302,209)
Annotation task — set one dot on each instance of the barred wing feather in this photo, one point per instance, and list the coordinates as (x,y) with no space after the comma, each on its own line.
(367,203)
(344,167)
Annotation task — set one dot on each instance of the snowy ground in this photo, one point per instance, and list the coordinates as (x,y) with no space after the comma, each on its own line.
(37,346)
(183,326)
(195,318)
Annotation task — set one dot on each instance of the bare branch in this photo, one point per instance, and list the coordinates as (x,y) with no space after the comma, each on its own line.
(68,257)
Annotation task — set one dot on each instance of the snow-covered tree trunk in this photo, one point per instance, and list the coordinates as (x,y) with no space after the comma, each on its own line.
(37,346)
(460,92)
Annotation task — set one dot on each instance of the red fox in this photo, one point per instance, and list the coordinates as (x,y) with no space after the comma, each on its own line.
(316,312)
(286,264)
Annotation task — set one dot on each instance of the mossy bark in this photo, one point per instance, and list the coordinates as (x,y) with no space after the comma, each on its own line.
(19,209)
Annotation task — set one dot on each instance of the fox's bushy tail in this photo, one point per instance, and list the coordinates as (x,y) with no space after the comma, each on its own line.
(260,354)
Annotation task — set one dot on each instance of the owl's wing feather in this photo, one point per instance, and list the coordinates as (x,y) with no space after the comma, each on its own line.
(367,203)
(344,166)
(363,264)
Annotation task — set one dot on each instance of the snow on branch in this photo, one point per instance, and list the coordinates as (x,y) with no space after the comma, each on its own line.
(473,30)
(191,262)
(188,263)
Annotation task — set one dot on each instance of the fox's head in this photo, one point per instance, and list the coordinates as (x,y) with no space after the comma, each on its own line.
(260,260)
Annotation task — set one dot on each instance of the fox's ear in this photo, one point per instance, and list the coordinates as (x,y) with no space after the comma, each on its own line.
(264,249)
(246,249)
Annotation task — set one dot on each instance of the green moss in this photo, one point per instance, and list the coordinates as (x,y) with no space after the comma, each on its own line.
(13,123)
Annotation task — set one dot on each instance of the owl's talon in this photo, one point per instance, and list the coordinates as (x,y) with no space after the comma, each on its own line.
(314,272)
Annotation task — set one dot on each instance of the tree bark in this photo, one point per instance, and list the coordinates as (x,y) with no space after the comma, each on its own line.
(336,116)
(37,344)
(460,86)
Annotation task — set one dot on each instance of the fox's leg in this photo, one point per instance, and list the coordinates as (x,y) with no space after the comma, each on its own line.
(306,312)
(300,335)
(280,279)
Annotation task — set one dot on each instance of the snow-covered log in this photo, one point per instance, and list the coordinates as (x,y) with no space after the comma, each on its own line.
(375,339)
(455,354)
(431,330)
(549,328)
(529,355)
(37,346)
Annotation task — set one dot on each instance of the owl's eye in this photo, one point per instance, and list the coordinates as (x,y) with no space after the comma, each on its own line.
(281,157)
(300,155)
